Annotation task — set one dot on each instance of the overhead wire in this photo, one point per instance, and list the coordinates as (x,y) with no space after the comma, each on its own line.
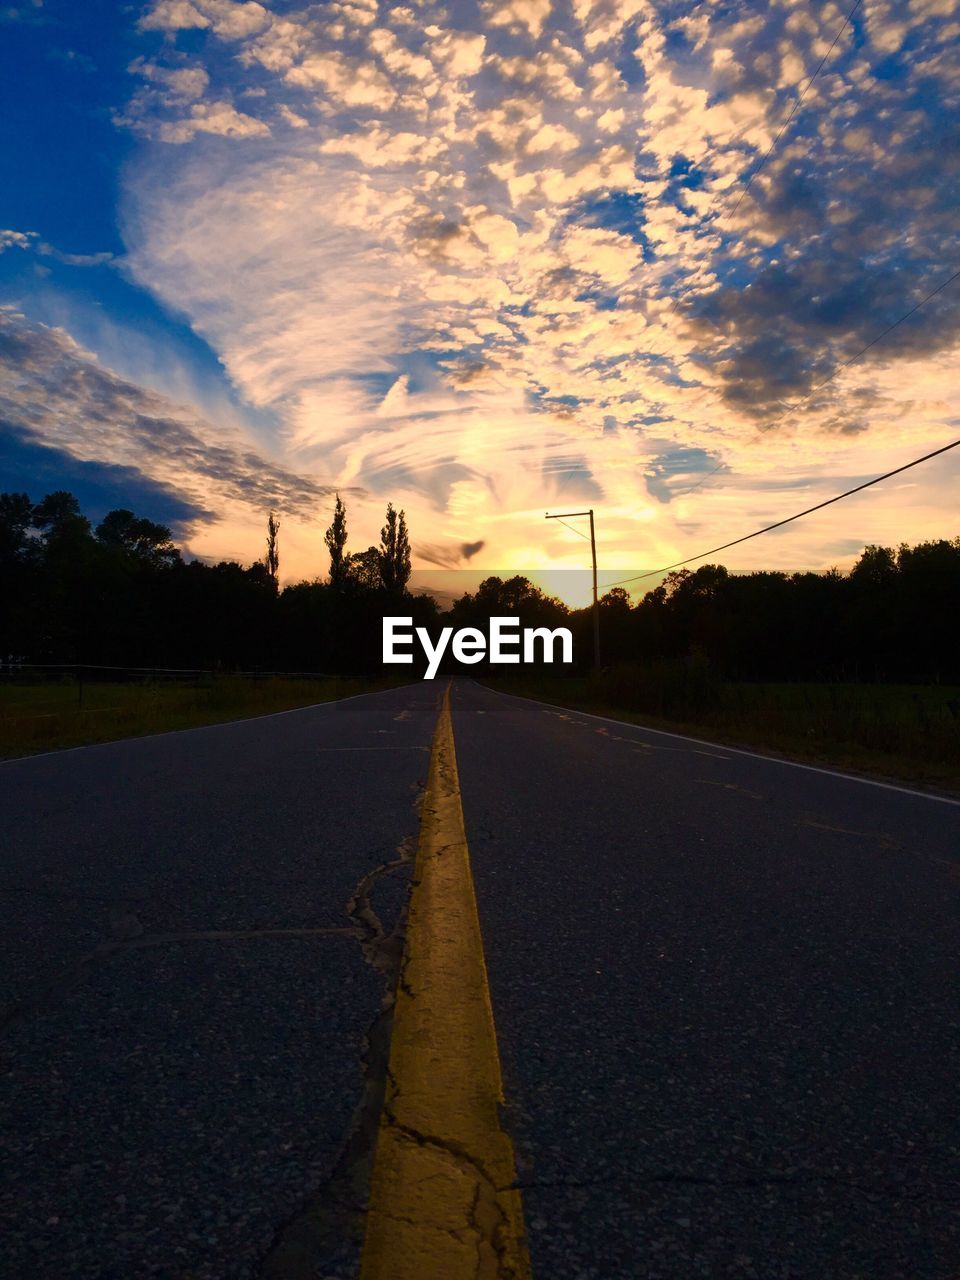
(789,519)
(753,173)
(780,132)
(844,364)
(570,526)
(796,107)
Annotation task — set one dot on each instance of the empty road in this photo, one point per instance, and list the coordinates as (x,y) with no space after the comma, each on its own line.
(187,994)
(724,989)
(726,993)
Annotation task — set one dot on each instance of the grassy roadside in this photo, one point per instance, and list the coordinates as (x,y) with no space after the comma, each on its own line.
(52,715)
(896,733)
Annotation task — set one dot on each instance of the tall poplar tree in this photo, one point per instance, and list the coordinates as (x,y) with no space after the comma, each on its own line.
(272,558)
(402,557)
(336,540)
(394,551)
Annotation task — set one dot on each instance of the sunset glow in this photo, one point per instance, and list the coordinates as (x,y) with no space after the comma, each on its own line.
(487,260)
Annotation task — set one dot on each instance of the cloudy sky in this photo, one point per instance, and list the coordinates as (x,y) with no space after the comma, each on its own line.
(486,260)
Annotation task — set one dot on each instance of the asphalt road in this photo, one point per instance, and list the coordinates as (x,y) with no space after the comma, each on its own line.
(725,991)
(171,1102)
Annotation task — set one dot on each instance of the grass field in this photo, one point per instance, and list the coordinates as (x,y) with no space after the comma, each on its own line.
(905,732)
(61,713)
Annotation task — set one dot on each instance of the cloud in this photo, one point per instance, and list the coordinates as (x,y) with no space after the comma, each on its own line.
(174,106)
(74,259)
(173,15)
(30,240)
(525,15)
(293,118)
(481,239)
(54,395)
(552,137)
(212,117)
(17,240)
(182,83)
(236,19)
(677,470)
(27,466)
(348,81)
(229,19)
(446,557)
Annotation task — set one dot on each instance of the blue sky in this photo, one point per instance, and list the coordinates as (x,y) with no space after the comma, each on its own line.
(481,259)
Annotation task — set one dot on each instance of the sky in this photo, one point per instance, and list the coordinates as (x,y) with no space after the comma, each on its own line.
(484,260)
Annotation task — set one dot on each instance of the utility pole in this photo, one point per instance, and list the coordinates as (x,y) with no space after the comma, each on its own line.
(569,515)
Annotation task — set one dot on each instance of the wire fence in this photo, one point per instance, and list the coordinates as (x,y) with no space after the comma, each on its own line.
(47,706)
(11,669)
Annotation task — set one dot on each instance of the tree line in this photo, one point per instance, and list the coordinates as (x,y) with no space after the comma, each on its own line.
(120,593)
(893,617)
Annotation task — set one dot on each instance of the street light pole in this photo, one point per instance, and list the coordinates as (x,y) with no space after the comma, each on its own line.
(569,515)
(596,603)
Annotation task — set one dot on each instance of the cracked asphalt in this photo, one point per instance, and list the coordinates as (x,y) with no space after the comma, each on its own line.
(725,992)
(188,984)
(726,1001)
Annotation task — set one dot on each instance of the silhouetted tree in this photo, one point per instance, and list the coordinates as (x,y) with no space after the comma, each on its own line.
(16,520)
(402,558)
(336,540)
(616,600)
(17,574)
(516,597)
(59,513)
(394,551)
(364,569)
(272,558)
(929,605)
(122,595)
(143,539)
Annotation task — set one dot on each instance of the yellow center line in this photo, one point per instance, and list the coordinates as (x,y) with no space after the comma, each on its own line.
(441,1204)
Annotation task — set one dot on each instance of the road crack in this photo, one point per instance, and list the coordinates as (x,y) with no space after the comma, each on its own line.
(331,1219)
(486,1218)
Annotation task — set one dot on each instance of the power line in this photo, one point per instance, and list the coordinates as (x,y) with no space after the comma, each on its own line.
(780,132)
(873,342)
(789,520)
(792,409)
(570,526)
(796,107)
(708,475)
(677,299)
(845,364)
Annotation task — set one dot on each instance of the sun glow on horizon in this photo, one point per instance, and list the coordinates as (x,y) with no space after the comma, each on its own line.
(484,262)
